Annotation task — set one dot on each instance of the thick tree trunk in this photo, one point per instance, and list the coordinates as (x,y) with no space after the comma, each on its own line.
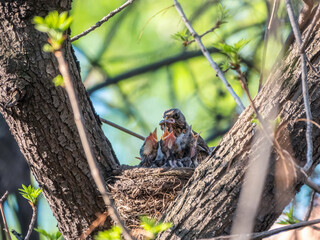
(40,117)
(209,200)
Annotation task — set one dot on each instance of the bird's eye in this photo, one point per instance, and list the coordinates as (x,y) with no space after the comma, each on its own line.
(175,116)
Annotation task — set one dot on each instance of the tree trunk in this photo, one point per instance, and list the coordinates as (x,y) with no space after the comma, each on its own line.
(209,201)
(40,117)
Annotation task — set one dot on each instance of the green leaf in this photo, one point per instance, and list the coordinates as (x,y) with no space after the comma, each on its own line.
(66,24)
(52,236)
(240,44)
(151,226)
(182,35)
(290,217)
(54,25)
(38,20)
(30,193)
(47,48)
(112,234)
(58,81)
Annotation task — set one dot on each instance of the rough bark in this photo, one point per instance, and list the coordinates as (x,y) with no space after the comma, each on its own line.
(209,200)
(40,117)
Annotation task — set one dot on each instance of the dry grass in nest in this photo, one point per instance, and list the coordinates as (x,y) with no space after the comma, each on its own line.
(146,191)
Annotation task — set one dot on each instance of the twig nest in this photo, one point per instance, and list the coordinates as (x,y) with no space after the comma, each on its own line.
(146,191)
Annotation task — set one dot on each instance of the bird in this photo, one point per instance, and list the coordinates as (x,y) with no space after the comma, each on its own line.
(168,147)
(176,122)
(149,150)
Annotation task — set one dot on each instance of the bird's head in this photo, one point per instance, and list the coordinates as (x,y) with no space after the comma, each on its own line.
(151,142)
(168,138)
(174,120)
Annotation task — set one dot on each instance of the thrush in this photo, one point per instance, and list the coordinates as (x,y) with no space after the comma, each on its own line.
(149,150)
(188,148)
(176,122)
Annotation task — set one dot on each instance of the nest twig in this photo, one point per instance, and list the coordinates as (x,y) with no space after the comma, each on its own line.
(146,191)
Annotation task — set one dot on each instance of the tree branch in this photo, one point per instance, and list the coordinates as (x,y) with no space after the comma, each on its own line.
(307,216)
(269,233)
(122,129)
(78,118)
(305,92)
(207,55)
(3,198)
(150,67)
(32,222)
(103,20)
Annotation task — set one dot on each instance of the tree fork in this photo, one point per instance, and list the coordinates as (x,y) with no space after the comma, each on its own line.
(208,203)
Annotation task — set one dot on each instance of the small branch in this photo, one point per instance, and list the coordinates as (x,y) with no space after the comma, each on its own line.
(101,218)
(78,118)
(3,198)
(103,20)
(150,67)
(32,222)
(269,233)
(266,40)
(122,129)
(207,55)
(17,235)
(313,194)
(305,92)
(205,33)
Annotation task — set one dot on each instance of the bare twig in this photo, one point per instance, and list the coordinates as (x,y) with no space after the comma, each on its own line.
(122,128)
(313,194)
(32,222)
(101,218)
(207,55)
(152,17)
(217,25)
(103,20)
(269,233)
(3,198)
(78,118)
(17,235)
(266,40)
(303,56)
(150,67)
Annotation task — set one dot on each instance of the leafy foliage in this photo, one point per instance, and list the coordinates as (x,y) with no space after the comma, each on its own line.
(53,236)
(223,14)
(232,52)
(54,25)
(30,193)
(290,218)
(182,35)
(152,227)
(112,234)
(58,81)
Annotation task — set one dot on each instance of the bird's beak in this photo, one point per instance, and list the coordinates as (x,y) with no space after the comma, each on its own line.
(170,139)
(154,135)
(164,122)
(165,134)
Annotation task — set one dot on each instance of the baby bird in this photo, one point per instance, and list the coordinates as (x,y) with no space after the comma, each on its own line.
(176,122)
(149,149)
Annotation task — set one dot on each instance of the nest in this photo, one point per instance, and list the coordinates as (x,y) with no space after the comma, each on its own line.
(146,191)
